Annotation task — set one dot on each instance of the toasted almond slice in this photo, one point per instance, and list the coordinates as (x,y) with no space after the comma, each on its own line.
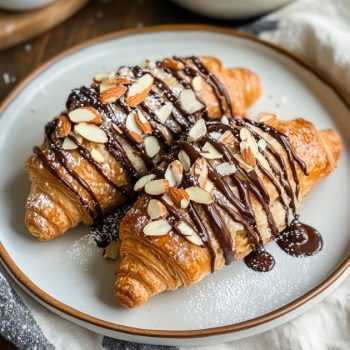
(173,64)
(195,239)
(224,120)
(141,182)
(117,129)
(247,153)
(184,160)
(215,135)
(112,94)
(197,83)
(143,123)
(198,195)
(123,80)
(157,228)
(227,137)
(136,137)
(189,101)
(209,186)
(167,199)
(101,76)
(131,123)
(68,144)
(262,144)
(200,171)
(107,84)
(91,132)
(164,112)
(63,126)
(226,169)
(156,209)
(97,155)
(210,152)
(152,146)
(156,187)
(85,115)
(244,134)
(168,137)
(139,90)
(111,252)
(174,173)
(179,196)
(198,130)
(242,163)
(268,119)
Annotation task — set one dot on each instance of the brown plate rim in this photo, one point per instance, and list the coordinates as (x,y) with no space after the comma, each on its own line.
(214,331)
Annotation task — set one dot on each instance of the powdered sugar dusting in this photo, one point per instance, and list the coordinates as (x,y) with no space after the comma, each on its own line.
(82,249)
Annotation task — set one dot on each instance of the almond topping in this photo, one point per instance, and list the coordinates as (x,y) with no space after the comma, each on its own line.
(143,123)
(152,146)
(268,119)
(210,152)
(131,123)
(215,135)
(189,101)
(200,172)
(174,173)
(136,137)
(198,130)
(117,129)
(262,144)
(141,182)
(226,169)
(224,120)
(91,132)
(156,209)
(197,83)
(123,80)
(85,115)
(139,90)
(209,186)
(112,94)
(68,144)
(111,252)
(157,228)
(226,138)
(164,112)
(101,76)
(166,197)
(179,196)
(107,84)
(97,155)
(63,126)
(184,160)
(198,195)
(244,134)
(189,233)
(195,239)
(173,64)
(247,153)
(156,187)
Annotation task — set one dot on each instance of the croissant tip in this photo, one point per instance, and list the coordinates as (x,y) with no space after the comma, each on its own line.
(333,140)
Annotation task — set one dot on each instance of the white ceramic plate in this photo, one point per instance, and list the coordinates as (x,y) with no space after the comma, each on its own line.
(70,276)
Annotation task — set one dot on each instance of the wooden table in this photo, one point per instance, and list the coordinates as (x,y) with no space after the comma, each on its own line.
(97,18)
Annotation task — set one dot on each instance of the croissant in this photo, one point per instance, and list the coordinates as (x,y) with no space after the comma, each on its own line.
(114,132)
(221,196)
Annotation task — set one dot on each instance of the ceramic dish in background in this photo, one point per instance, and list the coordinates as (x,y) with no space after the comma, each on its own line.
(23,5)
(231,9)
(69,275)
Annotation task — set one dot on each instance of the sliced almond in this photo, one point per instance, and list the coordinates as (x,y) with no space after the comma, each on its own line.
(107,84)
(131,123)
(101,76)
(97,155)
(242,163)
(157,228)
(112,94)
(184,228)
(184,160)
(210,152)
(167,199)
(143,123)
(200,171)
(123,80)
(198,195)
(136,137)
(226,138)
(68,144)
(63,126)
(111,252)
(173,64)
(226,169)
(198,130)
(244,134)
(224,120)
(197,83)
(247,153)
(215,135)
(179,196)
(209,186)
(164,112)
(189,101)
(195,239)
(117,129)
(156,209)
(268,119)
(174,173)
(91,132)
(85,115)
(152,146)
(262,144)
(157,187)
(141,182)
(139,90)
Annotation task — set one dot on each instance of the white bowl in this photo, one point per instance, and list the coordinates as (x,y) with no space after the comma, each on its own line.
(23,5)
(231,9)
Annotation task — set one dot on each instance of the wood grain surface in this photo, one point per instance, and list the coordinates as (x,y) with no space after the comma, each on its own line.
(96,18)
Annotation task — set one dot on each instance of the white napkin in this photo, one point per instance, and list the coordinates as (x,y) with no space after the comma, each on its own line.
(320,32)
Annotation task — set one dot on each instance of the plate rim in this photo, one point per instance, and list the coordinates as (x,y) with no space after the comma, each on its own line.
(180,334)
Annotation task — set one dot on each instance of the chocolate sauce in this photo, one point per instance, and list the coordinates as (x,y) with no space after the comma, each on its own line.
(260,260)
(300,239)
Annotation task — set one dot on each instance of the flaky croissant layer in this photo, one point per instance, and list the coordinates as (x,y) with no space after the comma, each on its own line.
(229,191)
